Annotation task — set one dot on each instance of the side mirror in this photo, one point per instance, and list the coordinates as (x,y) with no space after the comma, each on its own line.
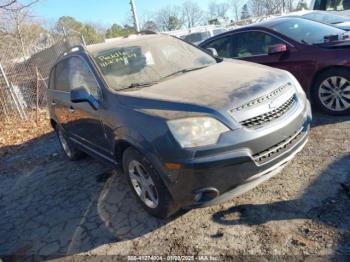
(277,49)
(82,94)
(213,52)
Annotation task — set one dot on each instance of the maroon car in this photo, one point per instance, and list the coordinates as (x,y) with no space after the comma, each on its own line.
(318,55)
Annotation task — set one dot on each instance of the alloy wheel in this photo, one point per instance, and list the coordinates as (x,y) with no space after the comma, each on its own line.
(334,93)
(143,184)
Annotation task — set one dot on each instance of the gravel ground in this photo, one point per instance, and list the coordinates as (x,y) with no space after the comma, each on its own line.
(52,207)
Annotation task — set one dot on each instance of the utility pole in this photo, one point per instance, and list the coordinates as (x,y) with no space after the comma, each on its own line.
(134,14)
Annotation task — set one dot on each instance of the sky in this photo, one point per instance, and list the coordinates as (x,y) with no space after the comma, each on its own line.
(104,12)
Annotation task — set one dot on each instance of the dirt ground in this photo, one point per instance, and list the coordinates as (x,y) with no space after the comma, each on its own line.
(52,207)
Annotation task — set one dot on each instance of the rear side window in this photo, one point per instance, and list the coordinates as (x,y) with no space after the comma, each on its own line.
(80,75)
(52,79)
(61,82)
(253,44)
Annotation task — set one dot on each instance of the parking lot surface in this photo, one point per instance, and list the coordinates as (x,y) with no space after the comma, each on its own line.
(52,207)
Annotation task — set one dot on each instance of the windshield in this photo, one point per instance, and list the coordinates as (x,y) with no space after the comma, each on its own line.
(326,18)
(307,31)
(148,60)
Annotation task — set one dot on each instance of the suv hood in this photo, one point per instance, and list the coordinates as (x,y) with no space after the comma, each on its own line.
(225,85)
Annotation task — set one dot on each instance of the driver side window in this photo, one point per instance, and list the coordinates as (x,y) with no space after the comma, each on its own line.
(80,75)
(252,43)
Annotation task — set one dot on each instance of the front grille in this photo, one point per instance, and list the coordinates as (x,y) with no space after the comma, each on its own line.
(268,117)
(262,99)
(278,149)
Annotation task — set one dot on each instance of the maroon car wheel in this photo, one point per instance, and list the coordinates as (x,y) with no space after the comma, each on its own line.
(332,92)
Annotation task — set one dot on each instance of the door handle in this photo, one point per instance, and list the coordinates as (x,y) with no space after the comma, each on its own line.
(71,109)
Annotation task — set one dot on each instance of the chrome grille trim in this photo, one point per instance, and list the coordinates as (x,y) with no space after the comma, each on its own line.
(278,149)
(270,116)
(262,99)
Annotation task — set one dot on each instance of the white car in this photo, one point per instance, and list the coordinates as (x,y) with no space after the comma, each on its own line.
(341,6)
(197,35)
(339,21)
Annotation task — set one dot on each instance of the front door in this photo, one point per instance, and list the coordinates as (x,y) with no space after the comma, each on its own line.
(85,123)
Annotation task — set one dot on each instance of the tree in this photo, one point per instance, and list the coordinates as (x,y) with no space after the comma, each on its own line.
(270,7)
(150,26)
(218,10)
(72,27)
(119,31)
(91,35)
(245,12)
(236,6)
(19,31)
(11,5)
(301,5)
(192,14)
(68,23)
(168,18)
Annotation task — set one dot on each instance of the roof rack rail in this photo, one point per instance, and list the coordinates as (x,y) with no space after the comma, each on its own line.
(73,49)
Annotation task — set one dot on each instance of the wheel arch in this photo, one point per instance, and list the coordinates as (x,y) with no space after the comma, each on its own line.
(319,73)
(53,123)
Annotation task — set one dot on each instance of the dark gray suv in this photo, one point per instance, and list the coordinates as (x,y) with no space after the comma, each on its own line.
(188,130)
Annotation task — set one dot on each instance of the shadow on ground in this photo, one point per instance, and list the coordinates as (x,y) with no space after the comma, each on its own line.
(326,201)
(52,207)
(320,119)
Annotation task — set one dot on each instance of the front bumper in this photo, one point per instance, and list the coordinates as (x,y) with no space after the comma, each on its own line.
(233,172)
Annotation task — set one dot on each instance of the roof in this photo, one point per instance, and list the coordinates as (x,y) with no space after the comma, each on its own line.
(270,22)
(120,42)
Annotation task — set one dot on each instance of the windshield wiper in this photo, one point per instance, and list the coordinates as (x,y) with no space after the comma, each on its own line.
(144,84)
(183,71)
(304,42)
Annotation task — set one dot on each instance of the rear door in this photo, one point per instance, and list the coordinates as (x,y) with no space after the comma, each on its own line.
(60,94)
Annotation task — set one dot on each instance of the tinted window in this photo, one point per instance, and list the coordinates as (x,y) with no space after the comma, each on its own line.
(306,31)
(223,46)
(252,44)
(80,75)
(52,79)
(61,79)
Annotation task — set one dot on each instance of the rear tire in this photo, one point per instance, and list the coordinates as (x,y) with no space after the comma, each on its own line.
(70,151)
(147,185)
(331,92)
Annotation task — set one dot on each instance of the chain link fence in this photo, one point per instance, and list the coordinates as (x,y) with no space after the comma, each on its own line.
(24,78)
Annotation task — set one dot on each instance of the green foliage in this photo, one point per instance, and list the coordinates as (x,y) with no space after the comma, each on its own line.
(245,12)
(119,31)
(91,35)
(74,27)
(174,23)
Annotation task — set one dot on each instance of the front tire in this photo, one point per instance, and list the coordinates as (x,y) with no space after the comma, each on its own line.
(331,92)
(147,185)
(69,150)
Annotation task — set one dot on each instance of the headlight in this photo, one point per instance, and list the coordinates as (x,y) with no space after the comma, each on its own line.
(297,86)
(196,131)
